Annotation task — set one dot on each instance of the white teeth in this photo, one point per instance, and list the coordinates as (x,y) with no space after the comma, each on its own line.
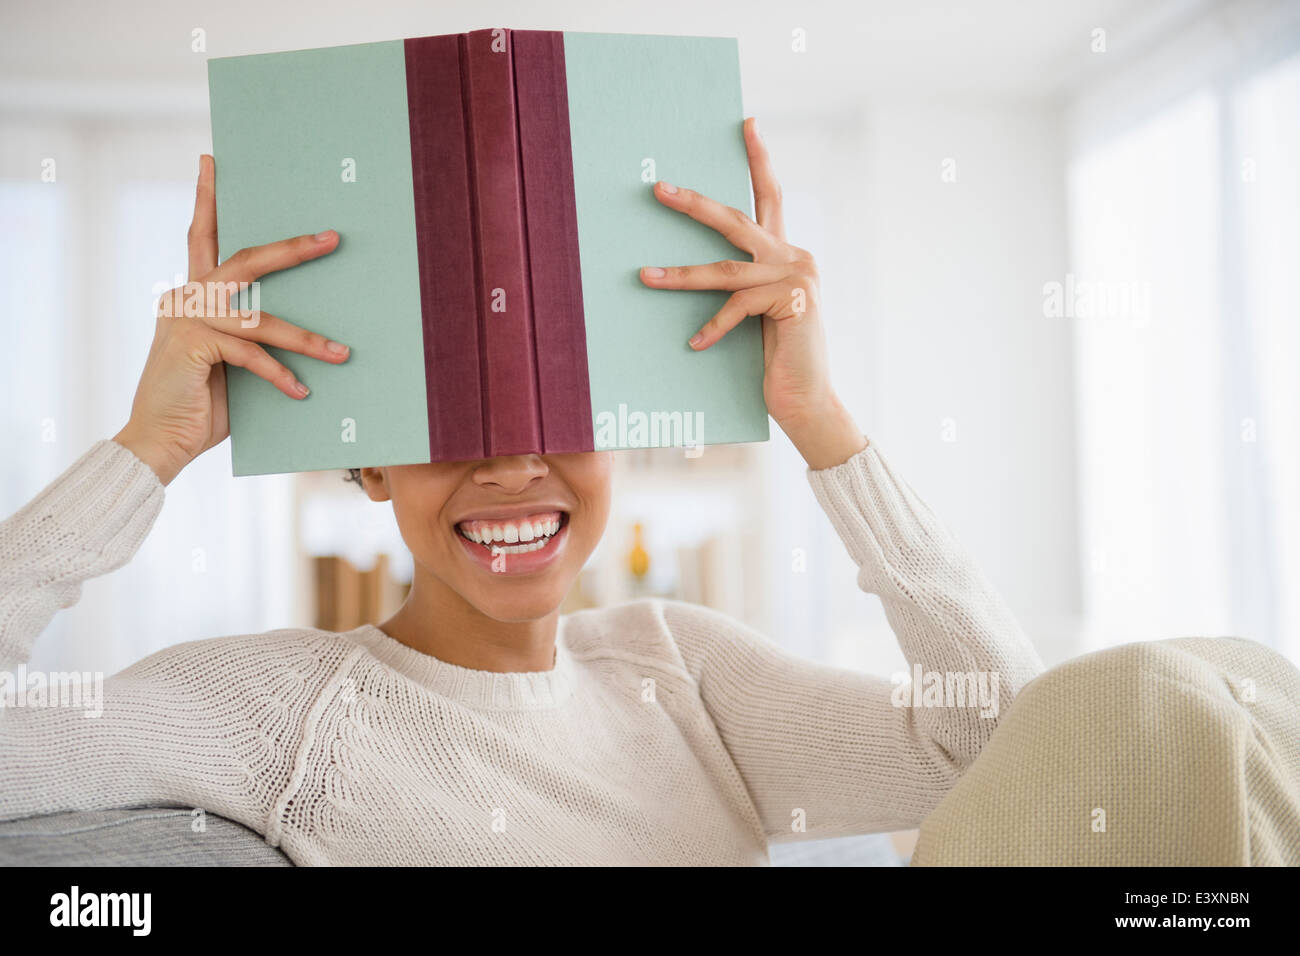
(518,548)
(502,538)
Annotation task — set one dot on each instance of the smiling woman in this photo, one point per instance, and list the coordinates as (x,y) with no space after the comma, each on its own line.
(478,724)
(497,543)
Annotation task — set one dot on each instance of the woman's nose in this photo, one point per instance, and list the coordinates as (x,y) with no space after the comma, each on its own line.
(511,473)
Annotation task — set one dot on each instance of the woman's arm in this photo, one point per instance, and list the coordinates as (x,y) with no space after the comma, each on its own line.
(87,522)
(141,737)
(841,751)
(167,729)
(95,515)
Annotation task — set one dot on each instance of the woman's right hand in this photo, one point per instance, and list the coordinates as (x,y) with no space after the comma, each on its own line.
(179,410)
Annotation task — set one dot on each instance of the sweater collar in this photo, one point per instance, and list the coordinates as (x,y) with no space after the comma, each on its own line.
(487,690)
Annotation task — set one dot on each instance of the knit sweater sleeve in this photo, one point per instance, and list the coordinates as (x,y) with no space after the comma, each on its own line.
(88,521)
(826,751)
(166,731)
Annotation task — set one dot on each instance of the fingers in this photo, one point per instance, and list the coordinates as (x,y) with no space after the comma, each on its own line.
(740,306)
(249,355)
(202,237)
(209,303)
(736,226)
(782,300)
(727,274)
(272,330)
(767,191)
(248,265)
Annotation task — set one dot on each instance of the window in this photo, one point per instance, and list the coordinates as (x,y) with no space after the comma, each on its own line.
(1183,240)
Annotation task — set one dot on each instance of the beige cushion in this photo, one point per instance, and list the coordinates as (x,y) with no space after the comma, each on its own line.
(1177,752)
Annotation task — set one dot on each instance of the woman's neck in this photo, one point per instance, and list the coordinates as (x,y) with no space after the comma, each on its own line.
(437,621)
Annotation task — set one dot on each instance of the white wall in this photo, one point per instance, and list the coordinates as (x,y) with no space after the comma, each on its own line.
(933,297)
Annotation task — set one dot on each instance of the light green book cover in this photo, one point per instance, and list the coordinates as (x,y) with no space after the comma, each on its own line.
(322,139)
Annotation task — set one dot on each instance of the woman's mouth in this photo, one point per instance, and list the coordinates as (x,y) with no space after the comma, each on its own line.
(514,545)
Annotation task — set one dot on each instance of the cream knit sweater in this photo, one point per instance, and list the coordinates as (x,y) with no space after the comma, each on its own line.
(665,734)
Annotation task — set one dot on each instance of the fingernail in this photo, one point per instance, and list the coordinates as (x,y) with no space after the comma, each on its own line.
(696,340)
(338,348)
(668,187)
(654,272)
(302,390)
(324,236)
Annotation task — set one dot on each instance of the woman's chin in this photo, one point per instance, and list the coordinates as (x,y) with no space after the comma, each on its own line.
(513,602)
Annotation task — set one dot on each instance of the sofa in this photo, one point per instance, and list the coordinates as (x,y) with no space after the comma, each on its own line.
(162,836)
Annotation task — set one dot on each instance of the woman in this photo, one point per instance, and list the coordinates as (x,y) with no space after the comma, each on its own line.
(476,725)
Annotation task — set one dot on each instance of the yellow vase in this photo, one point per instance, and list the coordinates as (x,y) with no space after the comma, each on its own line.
(638,560)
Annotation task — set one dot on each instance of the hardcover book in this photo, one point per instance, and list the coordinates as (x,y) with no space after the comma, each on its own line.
(493,195)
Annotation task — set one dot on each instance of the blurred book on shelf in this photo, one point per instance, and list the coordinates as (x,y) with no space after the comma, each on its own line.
(347,597)
(713,458)
(709,574)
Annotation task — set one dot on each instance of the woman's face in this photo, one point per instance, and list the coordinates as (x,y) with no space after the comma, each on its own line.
(508,535)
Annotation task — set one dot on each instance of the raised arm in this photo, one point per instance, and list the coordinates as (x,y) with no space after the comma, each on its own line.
(828,743)
(169,728)
(144,736)
(87,522)
(828,752)
(94,516)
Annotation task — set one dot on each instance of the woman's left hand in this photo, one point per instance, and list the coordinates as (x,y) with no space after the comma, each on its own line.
(781,286)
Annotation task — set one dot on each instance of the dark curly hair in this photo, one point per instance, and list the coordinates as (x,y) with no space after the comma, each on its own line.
(354,474)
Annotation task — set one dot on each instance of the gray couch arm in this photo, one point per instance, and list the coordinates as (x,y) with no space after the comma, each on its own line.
(161,836)
(151,836)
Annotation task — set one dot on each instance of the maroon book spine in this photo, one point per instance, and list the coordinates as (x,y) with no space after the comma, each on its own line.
(445,248)
(551,222)
(496,229)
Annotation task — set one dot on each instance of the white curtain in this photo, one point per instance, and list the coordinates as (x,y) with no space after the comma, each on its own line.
(1184,244)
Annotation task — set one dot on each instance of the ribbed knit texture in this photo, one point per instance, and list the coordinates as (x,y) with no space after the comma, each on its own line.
(665,734)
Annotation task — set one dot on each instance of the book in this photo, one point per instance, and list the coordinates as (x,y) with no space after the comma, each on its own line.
(493,193)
